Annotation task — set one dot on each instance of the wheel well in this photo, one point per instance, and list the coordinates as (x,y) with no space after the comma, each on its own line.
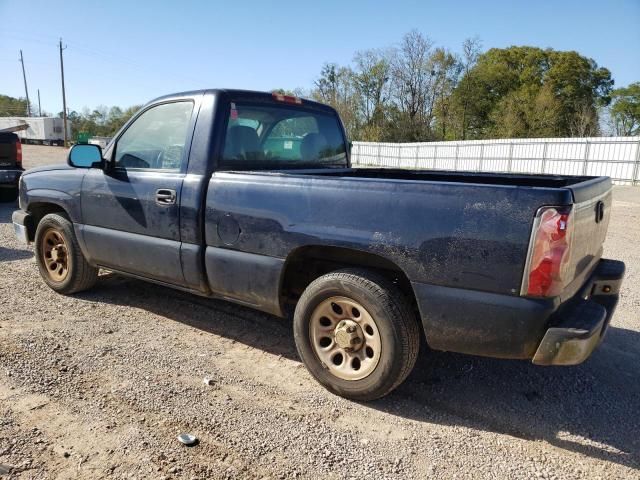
(38,211)
(306,264)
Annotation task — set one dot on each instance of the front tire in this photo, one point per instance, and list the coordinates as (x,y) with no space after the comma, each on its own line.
(356,333)
(60,260)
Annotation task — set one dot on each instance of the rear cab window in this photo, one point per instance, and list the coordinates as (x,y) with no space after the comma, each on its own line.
(264,136)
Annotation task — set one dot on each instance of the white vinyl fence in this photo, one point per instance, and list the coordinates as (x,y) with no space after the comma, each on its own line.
(616,157)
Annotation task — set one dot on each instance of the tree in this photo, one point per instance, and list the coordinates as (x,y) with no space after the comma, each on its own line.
(529,92)
(336,87)
(418,91)
(471,49)
(12,107)
(371,79)
(625,110)
(101,121)
(446,67)
(412,84)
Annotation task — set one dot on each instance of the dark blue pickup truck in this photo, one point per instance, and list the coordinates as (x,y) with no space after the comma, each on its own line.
(251,197)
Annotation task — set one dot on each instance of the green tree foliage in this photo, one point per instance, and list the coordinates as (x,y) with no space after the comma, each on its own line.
(336,86)
(102,121)
(420,92)
(371,77)
(625,110)
(530,92)
(12,107)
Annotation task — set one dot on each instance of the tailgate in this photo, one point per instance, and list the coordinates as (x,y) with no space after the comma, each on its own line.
(590,220)
(7,151)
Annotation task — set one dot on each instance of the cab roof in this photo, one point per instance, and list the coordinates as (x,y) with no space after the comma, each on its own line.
(238,95)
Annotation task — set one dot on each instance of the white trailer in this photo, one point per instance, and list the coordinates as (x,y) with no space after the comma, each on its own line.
(39,130)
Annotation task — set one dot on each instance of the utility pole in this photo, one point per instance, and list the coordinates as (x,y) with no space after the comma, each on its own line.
(39,107)
(64,98)
(26,90)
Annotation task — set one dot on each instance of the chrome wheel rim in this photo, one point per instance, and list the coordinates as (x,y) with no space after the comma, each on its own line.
(55,255)
(345,338)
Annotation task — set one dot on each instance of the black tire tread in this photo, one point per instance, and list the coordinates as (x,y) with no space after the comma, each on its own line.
(391,298)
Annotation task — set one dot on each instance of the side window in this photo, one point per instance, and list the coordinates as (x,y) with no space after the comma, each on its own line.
(156,139)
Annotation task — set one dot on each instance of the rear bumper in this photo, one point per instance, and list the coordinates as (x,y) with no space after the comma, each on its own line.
(509,326)
(580,325)
(10,177)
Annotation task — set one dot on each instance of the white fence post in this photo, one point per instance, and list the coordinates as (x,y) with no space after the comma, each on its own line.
(417,151)
(586,158)
(544,156)
(455,165)
(481,157)
(636,166)
(509,164)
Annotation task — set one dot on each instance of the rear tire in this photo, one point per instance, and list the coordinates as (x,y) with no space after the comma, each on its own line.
(356,333)
(8,194)
(60,260)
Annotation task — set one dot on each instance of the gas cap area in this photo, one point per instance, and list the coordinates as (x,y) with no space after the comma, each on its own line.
(228,229)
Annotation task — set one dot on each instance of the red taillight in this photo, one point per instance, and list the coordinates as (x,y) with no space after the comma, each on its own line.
(18,153)
(550,253)
(287,98)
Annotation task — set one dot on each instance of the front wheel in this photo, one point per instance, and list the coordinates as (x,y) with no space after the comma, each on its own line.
(356,333)
(60,260)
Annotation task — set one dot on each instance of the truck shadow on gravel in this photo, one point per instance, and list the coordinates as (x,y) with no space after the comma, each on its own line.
(591,409)
(11,254)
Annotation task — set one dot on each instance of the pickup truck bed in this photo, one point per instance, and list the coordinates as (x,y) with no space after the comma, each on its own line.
(255,201)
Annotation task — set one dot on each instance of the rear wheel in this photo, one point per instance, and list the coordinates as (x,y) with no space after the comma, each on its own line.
(356,333)
(59,258)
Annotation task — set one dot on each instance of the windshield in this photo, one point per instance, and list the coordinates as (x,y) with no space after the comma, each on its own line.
(280,137)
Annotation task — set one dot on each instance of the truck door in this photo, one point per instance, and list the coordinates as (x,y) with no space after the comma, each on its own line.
(130,212)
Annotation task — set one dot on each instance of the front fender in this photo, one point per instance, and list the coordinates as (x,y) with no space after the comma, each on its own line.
(59,187)
(66,202)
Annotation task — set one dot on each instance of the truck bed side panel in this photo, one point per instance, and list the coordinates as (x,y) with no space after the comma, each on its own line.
(460,235)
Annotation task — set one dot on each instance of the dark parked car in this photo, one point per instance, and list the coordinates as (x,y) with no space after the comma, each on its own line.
(10,166)
(251,197)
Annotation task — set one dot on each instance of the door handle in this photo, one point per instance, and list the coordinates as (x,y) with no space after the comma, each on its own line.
(165,196)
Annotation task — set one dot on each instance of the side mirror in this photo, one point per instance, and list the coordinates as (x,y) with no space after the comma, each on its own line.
(85,156)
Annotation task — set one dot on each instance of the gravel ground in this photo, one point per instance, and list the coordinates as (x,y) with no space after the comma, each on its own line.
(98,385)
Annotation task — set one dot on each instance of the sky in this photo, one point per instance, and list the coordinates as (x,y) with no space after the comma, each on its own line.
(128,52)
